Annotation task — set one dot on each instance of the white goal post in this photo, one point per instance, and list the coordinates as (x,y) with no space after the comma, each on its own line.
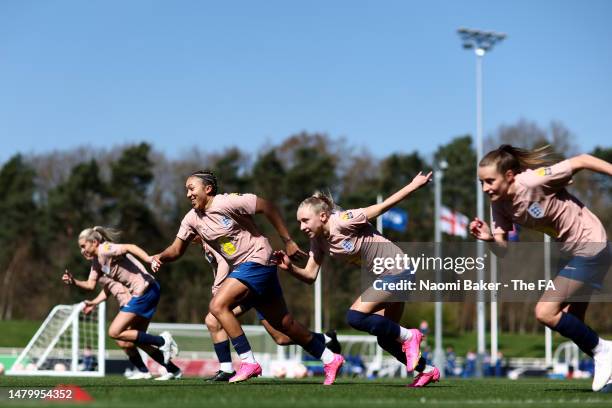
(68,343)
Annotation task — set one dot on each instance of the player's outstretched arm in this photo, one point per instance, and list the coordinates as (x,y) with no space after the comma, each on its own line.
(68,279)
(588,162)
(308,274)
(480,230)
(273,215)
(138,251)
(419,181)
(91,304)
(170,254)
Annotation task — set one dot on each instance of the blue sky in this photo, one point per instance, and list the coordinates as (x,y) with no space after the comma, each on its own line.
(387,75)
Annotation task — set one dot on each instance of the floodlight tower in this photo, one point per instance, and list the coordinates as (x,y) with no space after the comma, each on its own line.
(481,42)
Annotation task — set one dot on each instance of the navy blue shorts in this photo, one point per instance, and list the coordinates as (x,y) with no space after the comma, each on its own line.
(405,275)
(262,281)
(145,304)
(588,269)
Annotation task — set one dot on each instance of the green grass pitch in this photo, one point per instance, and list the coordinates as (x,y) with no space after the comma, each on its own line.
(114,391)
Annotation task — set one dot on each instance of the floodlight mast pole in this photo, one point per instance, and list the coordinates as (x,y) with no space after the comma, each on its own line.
(481,42)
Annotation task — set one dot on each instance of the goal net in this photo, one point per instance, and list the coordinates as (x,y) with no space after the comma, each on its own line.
(68,343)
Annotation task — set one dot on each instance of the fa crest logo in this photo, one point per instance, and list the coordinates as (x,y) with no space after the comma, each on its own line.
(535,210)
(226,221)
(347,245)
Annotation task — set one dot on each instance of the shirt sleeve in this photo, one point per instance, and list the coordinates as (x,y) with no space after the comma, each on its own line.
(108,249)
(554,177)
(502,223)
(351,220)
(240,203)
(186,231)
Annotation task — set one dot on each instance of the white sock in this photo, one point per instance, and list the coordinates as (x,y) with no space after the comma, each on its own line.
(327,356)
(601,346)
(248,357)
(428,369)
(226,367)
(405,335)
(327,338)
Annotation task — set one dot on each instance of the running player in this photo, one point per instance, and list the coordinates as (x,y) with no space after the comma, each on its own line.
(219,337)
(526,188)
(349,236)
(225,223)
(138,294)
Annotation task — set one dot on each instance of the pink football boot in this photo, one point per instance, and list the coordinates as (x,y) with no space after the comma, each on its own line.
(331,369)
(246,371)
(412,348)
(422,379)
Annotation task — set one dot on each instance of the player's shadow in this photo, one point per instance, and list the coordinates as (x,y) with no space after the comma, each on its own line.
(566,390)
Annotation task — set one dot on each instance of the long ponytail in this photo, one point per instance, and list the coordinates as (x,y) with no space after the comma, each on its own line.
(508,157)
(100,234)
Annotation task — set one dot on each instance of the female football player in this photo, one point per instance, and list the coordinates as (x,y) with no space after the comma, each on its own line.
(113,264)
(349,236)
(526,188)
(225,223)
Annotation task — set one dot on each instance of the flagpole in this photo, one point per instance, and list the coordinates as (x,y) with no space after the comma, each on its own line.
(439,357)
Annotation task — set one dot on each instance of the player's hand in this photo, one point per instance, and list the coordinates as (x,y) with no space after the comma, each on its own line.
(89,307)
(293,251)
(480,230)
(280,259)
(67,278)
(155,263)
(421,179)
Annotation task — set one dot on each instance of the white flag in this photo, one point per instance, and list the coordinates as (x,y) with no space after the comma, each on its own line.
(453,223)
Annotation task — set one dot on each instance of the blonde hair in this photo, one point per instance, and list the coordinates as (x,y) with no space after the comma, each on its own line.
(100,234)
(320,202)
(508,157)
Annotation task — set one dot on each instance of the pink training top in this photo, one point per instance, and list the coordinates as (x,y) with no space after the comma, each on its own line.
(118,265)
(220,267)
(227,227)
(354,239)
(115,289)
(542,203)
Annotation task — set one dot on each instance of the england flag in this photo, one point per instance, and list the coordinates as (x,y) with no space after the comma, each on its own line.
(454,223)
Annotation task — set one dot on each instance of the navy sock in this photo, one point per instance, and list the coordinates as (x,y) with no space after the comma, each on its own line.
(241,344)
(136,360)
(574,329)
(319,336)
(316,345)
(222,349)
(374,324)
(159,358)
(146,338)
(392,347)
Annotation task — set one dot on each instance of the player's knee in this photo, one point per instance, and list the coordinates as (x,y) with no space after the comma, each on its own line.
(287,322)
(114,332)
(212,323)
(544,314)
(282,340)
(216,307)
(356,319)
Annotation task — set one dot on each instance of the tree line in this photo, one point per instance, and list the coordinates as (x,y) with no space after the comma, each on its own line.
(46,200)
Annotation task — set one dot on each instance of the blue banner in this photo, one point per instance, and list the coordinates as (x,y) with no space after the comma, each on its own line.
(395,219)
